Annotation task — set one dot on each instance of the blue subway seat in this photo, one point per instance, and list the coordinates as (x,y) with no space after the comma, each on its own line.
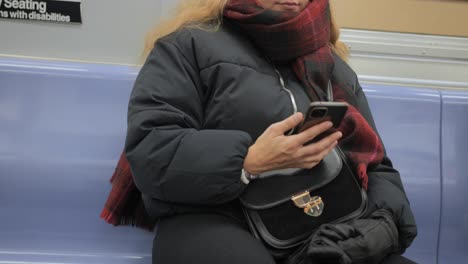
(62,128)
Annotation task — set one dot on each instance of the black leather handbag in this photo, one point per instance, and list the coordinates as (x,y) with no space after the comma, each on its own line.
(283,208)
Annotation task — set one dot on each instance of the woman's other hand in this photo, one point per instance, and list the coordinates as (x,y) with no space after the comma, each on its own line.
(273,150)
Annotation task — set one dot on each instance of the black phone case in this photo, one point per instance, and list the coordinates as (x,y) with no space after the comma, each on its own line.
(334,113)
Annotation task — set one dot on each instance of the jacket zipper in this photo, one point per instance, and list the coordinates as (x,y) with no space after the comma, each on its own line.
(291,95)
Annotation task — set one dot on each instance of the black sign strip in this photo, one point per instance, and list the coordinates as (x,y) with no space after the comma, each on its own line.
(42,10)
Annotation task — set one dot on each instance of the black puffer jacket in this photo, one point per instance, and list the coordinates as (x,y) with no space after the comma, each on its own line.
(200,100)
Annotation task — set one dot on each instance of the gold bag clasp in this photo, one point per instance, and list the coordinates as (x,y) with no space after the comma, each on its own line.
(312,206)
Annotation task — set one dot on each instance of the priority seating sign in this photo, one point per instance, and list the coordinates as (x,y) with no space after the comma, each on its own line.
(67,11)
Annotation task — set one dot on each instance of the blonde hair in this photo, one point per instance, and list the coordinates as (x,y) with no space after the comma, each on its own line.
(199,13)
(338,46)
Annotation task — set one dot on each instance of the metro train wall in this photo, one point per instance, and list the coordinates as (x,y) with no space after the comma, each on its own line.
(113,32)
(432,17)
(409,59)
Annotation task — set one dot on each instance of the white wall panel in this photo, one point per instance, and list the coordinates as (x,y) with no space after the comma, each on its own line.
(112,32)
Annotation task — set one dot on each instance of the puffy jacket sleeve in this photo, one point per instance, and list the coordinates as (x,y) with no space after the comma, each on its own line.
(385,188)
(172,156)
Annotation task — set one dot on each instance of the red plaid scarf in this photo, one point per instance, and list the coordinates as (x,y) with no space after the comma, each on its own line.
(303,40)
(283,36)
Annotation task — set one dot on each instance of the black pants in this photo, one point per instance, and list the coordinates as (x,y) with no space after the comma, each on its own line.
(213,238)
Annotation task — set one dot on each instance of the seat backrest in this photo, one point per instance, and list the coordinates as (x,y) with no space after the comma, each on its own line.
(408,120)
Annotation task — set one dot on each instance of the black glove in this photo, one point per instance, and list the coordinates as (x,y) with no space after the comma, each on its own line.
(367,240)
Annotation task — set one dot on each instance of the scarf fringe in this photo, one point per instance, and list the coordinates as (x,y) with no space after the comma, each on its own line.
(115,220)
(124,205)
(131,215)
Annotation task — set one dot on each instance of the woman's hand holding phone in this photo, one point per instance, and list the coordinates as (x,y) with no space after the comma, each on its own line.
(274,150)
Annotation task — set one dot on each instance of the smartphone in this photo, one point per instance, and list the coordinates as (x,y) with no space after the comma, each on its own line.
(320,112)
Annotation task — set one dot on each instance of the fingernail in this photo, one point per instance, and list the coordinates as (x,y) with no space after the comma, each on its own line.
(299,116)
